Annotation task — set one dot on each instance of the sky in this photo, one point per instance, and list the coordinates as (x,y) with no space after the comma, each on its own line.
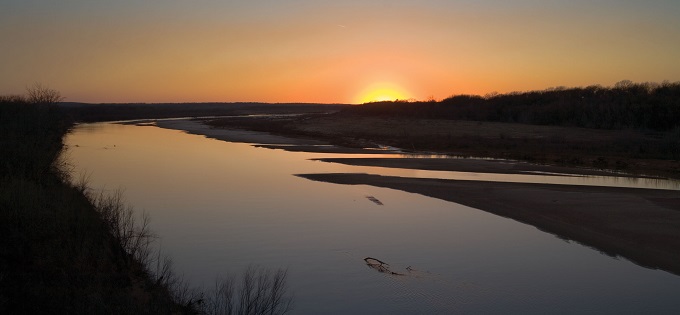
(330,51)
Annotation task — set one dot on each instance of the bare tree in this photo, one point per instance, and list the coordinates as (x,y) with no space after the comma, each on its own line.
(261,292)
(39,94)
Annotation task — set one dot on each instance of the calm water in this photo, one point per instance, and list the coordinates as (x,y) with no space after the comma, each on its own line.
(219,206)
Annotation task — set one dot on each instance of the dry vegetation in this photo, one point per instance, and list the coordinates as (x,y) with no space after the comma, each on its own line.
(632,128)
(65,249)
(624,150)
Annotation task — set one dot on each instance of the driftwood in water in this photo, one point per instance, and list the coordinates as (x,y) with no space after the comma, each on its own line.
(375,200)
(380,266)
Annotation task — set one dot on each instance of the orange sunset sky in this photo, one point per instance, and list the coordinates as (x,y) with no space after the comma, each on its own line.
(330,51)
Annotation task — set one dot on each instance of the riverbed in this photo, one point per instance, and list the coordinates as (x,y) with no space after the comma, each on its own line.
(218,206)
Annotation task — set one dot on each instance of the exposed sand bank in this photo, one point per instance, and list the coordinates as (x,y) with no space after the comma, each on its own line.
(233,135)
(270,141)
(323,149)
(631,151)
(471,165)
(262,139)
(642,225)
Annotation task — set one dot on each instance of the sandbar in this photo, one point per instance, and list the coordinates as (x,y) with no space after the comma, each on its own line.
(641,225)
(475,165)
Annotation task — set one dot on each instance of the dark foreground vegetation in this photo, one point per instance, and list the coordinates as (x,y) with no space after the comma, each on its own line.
(65,249)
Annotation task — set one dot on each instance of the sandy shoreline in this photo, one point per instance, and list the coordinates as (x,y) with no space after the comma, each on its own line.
(260,139)
(231,135)
(631,151)
(267,140)
(472,165)
(642,225)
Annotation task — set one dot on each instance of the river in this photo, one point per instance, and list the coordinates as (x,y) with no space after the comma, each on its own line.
(219,206)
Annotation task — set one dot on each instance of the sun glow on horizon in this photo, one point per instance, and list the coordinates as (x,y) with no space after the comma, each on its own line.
(330,51)
(382,92)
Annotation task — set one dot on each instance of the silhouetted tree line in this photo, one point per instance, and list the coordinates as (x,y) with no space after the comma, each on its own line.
(626,105)
(31,128)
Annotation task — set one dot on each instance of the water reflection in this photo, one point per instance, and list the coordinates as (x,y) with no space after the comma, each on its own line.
(219,206)
(528,177)
(562,179)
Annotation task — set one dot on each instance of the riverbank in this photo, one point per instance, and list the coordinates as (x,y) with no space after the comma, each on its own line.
(642,225)
(64,250)
(630,151)
(262,134)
